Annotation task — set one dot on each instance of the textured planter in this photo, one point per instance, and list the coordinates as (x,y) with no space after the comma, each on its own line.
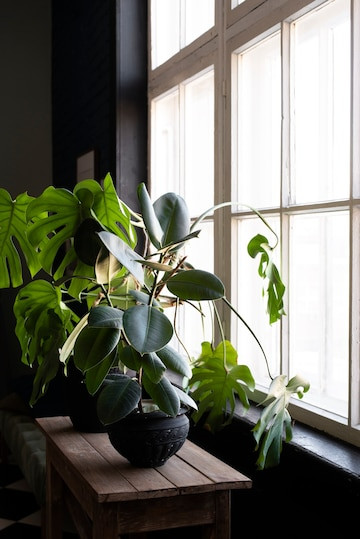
(148,440)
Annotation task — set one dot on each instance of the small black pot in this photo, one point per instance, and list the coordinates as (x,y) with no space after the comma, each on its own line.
(148,440)
(81,405)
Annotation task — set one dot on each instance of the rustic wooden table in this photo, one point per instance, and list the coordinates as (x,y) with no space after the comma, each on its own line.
(107,497)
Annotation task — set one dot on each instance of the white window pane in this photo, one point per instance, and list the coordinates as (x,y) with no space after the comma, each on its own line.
(258,104)
(165,30)
(192,327)
(165,145)
(182,151)
(175,24)
(319,307)
(321,155)
(199,17)
(199,143)
(235,3)
(251,305)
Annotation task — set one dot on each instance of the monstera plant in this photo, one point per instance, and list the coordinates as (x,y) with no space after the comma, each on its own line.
(104,304)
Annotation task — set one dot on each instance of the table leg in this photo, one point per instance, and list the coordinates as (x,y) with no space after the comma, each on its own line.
(54,501)
(222,525)
(105,522)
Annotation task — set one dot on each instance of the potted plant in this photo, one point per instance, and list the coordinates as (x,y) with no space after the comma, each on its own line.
(104,306)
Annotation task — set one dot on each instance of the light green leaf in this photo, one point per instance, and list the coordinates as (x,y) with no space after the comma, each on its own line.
(13,226)
(274,424)
(124,254)
(215,383)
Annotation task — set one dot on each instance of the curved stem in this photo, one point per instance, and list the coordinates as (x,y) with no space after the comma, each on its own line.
(252,333)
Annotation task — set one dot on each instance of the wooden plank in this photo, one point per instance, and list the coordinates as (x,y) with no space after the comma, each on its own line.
(79,462)
(167,513)
(187,478)
(223,475)
(148,482)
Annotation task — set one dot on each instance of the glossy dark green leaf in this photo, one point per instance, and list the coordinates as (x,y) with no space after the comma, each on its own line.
(130,357)
(153,367)
(173,215)
(95,376)
(93,345)
(146,328)
(163,394)
(118,399)
(105,316)
(196,285)
(151,221)
(174,360)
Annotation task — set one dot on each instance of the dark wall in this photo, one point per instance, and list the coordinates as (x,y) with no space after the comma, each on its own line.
(99,89)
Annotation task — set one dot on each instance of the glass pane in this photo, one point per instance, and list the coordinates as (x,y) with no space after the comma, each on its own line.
(183,143)
(165,30)
(199,143)
(319,307)
(251,305)
(193,329)
(235,3)
(165,145)
(321,145)
(199,17)
(175,24)
(258,145)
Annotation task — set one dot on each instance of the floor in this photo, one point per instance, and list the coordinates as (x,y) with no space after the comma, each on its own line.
(19,512)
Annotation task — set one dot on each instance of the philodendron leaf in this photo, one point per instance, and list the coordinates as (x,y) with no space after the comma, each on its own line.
(45,372)
(274,424)
(93,345)
(112,212)
(103,316)
(268,271)
(163,394)
(124,254)
(38,310)
(13,225)
(118,399)
(151,221)
(216,379)
(197,285)
(63,215)
(146,328)
(173,215)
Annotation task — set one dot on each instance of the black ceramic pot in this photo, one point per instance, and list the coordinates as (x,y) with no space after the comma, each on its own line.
(80,404)
(148,440)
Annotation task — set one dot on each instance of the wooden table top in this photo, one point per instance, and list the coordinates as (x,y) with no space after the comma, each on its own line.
(91,460)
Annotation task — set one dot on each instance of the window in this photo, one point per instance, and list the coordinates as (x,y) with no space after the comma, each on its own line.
(262,108)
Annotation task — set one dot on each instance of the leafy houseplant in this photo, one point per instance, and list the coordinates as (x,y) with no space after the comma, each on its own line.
(104,305)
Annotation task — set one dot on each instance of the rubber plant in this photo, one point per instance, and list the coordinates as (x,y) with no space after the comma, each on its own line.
(103,304)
